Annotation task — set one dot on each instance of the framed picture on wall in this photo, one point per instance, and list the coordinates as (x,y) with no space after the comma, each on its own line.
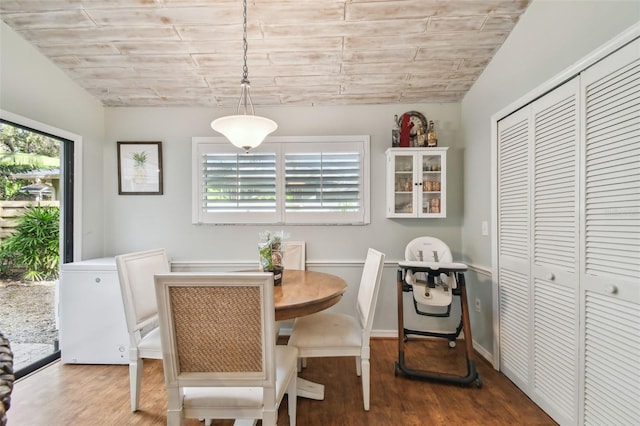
(140,168)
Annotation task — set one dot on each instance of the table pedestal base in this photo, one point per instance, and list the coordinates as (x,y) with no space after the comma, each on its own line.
(305,389)
(311,390)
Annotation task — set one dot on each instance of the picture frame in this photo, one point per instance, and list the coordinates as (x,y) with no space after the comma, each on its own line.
(140,168)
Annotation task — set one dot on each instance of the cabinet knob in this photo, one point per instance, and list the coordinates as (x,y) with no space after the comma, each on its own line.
(98,279)
(611,289)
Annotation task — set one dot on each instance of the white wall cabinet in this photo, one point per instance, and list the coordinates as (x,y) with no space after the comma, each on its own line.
(569,245)
(92,323)
(416,182)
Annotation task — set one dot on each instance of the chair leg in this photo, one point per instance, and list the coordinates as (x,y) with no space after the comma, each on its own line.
(292,399)
(366,386)
(175,409)
(175,417)
(135,377)
(277,329)
(269,418)
(358,368)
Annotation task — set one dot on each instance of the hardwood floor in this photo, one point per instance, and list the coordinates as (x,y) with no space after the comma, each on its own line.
(99,394)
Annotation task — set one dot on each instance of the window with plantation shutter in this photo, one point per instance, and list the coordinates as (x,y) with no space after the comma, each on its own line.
(286,180)
(239,182)
(324,182)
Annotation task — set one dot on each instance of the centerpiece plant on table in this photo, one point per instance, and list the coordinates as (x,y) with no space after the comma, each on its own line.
(270,247)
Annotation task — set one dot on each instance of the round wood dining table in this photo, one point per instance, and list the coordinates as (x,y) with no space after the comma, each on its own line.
(305,292)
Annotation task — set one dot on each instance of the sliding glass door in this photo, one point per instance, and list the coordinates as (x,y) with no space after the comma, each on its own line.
(36,236)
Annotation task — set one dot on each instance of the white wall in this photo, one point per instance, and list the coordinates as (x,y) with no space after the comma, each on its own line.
(31,86)
(141,222)
(132,222)
(549,38)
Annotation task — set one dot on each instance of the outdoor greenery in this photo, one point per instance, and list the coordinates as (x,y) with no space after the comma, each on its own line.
(31,253)
(17,140)
(34,247)
(9,186)
(22,151)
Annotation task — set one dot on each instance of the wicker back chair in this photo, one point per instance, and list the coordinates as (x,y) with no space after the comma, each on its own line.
(220,358)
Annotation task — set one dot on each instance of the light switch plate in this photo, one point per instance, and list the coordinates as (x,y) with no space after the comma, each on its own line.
(485,228)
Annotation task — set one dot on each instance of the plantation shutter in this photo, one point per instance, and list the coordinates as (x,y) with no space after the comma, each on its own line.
(286,180)
(324,181)
(235,186)
(239,182)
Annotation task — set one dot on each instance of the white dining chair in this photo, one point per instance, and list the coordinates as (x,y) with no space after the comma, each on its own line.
(220,359)
(135,273)
(294,255)
(330,334)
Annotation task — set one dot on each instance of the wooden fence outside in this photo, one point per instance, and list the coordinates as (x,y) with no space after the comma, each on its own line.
(10,211)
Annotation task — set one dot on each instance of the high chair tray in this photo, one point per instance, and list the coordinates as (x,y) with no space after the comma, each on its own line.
(444,267)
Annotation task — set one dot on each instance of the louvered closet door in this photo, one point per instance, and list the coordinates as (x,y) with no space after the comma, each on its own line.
(610,271)
(514,136)
(555,252)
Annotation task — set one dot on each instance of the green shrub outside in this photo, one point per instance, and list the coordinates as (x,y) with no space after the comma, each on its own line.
(10,187)
(34,247)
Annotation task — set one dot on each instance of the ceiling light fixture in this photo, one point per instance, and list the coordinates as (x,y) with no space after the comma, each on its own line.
(245,129)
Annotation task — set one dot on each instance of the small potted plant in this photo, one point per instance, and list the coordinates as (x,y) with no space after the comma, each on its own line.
(270,247)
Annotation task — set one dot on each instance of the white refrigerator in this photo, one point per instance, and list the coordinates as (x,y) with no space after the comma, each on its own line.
(91,314)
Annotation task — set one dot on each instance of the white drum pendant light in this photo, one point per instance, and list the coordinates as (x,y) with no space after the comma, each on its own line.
(245,129)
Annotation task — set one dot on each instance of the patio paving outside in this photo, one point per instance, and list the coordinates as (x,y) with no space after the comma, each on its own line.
(28,320)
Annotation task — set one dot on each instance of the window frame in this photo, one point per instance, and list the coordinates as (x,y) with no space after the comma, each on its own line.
(281,145)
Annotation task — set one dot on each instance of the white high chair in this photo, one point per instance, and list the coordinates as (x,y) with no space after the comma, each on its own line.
(430,274)
(430,292)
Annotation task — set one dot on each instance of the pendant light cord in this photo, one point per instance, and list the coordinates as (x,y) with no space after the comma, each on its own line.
(245,44)
(245,106)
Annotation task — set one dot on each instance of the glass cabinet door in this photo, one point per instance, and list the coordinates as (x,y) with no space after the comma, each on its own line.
(403,184)
(431,184)
(416,182)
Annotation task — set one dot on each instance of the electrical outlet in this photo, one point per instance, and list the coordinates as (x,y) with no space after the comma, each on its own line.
(478,308)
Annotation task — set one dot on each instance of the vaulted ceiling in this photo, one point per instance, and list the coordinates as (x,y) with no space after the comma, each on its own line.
(300,52)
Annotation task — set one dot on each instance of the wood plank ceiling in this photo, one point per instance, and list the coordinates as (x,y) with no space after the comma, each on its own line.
(300,52)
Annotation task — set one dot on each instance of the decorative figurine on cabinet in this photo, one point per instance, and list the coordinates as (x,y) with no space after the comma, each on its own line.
(432,137)
(405,131)
(395,132)
(421,138)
